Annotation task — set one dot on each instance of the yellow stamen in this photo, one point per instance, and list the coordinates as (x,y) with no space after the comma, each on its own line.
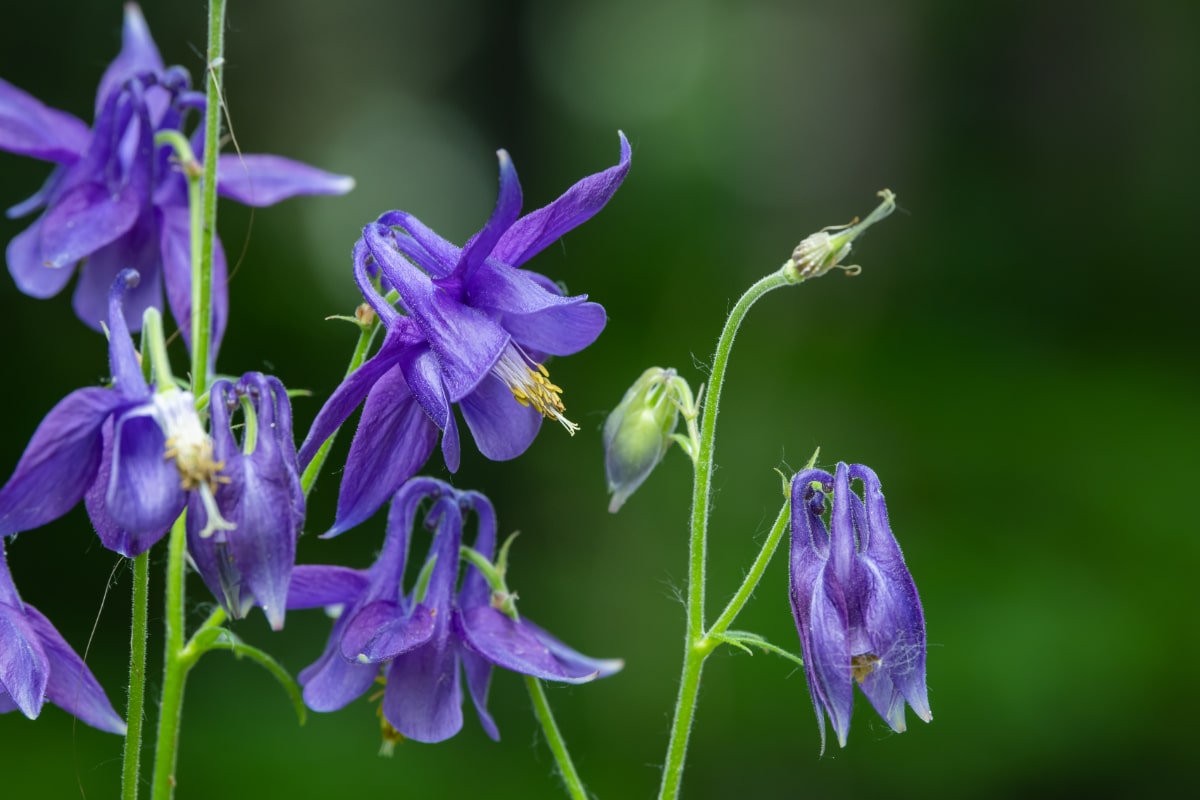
(530,384)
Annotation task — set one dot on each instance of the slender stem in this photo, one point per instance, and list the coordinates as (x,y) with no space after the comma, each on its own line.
(137,678)
(365,337)
(174,666)
(558,745)
(697,646)
(204,232)
(755,574)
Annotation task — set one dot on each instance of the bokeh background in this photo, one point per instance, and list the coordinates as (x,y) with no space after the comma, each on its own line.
(1017,361)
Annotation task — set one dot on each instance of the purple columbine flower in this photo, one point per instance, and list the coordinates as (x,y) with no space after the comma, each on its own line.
(134,454)
(116,200)
(855,603)
(37,664)
(259,494)
(419,637)
(474,331)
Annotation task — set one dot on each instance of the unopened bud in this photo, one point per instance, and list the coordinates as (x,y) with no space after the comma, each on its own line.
(640,429)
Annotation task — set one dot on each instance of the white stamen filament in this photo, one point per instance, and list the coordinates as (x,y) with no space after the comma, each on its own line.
(192,451)
(530,384)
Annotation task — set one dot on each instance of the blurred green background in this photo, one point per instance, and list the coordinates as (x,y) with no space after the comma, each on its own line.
(1020,347)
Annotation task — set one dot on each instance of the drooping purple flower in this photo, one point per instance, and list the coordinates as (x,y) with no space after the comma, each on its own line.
(474,332)
(258,494)
(419,637)
(116,200)
(855,603)
(37,664)
(134,454)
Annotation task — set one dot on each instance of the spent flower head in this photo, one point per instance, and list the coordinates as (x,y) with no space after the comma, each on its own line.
(822,251)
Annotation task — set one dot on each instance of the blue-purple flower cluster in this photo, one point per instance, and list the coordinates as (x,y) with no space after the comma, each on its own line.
(464,326)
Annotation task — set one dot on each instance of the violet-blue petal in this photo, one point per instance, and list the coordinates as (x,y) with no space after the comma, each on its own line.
(535,231)
(318,586)
(30,128)
(71,686)
(479,678)
(143,491)
(263,180)
(83,220)
(136,247)
(59,462)
(508,208)
(466,342)
(345,399)
(123,360)
(331,682)
(264,543)
(423,699)
(129,543)
(828,660)
(439,256)
(502,427)
(382,630)
(24,667)
(538,319)
(395,439)
(138,55)
(424,378)
(33,276)
(517,646)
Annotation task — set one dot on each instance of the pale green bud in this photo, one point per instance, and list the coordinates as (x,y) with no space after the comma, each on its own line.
(640,429)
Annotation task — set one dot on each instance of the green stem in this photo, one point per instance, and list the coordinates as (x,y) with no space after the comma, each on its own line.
(204,229)
(174,666)
(137,678)
(755,574)
(697,646)
(365,337)
(558,745)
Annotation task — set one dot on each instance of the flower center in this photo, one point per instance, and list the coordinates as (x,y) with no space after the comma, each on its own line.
(530,384)
(863,665)
(192,451)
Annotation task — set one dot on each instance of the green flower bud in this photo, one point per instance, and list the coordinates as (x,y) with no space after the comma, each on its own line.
(640,429)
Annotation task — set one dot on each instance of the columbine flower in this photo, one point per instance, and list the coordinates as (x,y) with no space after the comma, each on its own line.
(475,332)
(855,603)
(259,495)
(37,664)
(116,201)
(419,637)
(134,453)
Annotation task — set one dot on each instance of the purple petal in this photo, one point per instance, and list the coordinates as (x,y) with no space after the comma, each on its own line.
(380,631)
(424,379)
(393,441)
(114,537)
(138,55)
(123,360)
(24,666)
(535,231)
(502,427)
(347,397)
(423,698)
(72,687)
(83,220)
(33,276)
(331,681)
(466,341)
(144,492)
(59,462)
(316,586)
(436,255)
(479,678)
(29,128)
(508,208)
(524,648)
(263,180)
(827,661)
(136,249)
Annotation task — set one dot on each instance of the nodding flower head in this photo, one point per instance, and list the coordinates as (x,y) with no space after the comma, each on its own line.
(854,600)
